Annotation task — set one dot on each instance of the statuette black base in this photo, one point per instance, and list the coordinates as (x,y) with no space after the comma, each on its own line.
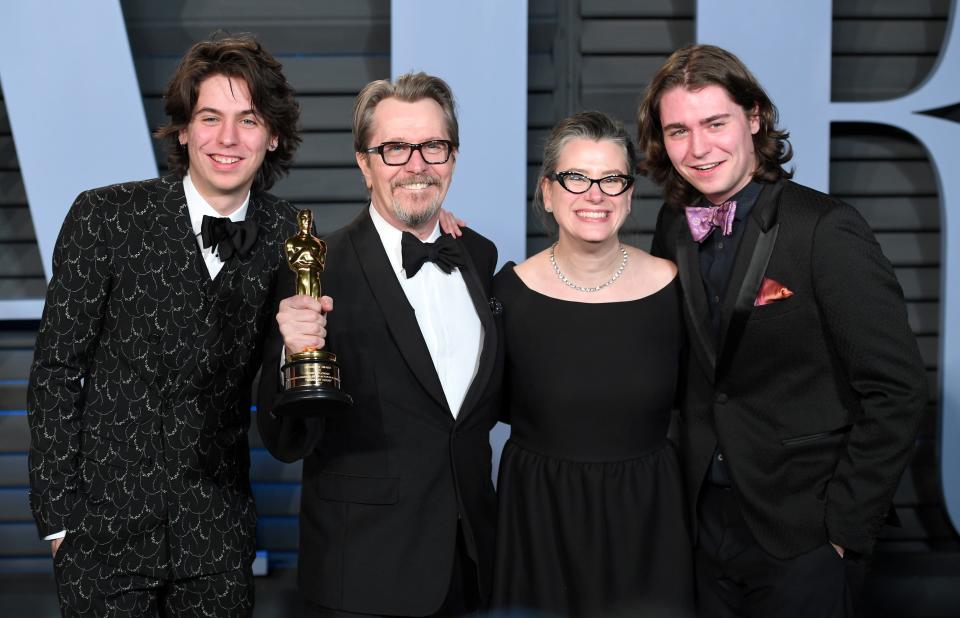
(312,387)
(313,402)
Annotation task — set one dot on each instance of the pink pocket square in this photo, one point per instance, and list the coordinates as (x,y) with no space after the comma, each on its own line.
(770,292)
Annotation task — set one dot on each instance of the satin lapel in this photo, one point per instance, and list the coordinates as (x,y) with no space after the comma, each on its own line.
(481,303)
(754,253)
(695,298)
(394,305)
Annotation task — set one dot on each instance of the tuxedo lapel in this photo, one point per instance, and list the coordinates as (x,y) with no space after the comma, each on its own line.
(394,305)
(174,218)
(695,298)
(169,241)
(185,244)
(756,247)
(170,216)
(490,336)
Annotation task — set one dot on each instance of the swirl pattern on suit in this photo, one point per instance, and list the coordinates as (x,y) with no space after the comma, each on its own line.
(139,394)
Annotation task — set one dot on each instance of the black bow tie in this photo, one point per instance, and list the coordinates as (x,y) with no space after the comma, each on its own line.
(230,237)
(443,253)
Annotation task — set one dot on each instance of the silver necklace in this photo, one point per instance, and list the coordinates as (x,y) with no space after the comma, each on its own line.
(610,281)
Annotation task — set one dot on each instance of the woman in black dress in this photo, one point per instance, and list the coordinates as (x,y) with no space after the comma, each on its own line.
(591,518)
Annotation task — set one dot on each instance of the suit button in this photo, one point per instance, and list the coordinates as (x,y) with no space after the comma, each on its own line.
(721,398)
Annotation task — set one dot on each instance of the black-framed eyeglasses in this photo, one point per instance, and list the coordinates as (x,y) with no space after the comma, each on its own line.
(575,182)
(434,152)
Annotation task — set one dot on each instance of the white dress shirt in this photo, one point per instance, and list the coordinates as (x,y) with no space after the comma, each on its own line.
(196,207)
(447,317)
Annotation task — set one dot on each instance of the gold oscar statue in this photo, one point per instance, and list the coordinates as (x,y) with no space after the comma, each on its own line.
(311,378)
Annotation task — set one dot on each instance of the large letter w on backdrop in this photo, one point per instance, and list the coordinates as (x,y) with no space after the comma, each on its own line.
(75,109)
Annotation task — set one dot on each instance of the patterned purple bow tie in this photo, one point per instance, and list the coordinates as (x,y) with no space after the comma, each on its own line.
(702,220)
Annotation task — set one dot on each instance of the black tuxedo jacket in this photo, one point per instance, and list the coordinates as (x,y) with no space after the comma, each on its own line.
(139,394)
(384,486)
(815,399)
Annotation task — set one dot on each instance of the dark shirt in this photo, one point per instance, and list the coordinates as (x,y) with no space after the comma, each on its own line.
(717,253)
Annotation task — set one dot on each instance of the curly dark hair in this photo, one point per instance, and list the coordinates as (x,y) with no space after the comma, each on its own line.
(237,57)
(695,67)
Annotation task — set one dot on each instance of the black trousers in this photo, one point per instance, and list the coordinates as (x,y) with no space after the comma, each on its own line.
(89,588)
(463,594)
(735,577)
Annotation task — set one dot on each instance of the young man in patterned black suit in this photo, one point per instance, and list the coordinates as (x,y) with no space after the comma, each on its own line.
(139,395)
(803,387)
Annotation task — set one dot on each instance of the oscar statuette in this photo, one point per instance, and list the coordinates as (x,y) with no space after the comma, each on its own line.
(311,378)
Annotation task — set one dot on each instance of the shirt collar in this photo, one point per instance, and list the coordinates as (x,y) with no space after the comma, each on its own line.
(391,237)
(745,199)
(197,207)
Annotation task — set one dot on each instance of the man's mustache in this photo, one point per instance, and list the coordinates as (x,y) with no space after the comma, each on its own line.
(415,180)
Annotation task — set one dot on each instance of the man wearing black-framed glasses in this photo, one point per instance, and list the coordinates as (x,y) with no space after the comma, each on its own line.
(397,513)
(434,152)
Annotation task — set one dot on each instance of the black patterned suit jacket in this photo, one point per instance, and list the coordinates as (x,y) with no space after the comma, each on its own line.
(816,399)
(385,484)
(139,393)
